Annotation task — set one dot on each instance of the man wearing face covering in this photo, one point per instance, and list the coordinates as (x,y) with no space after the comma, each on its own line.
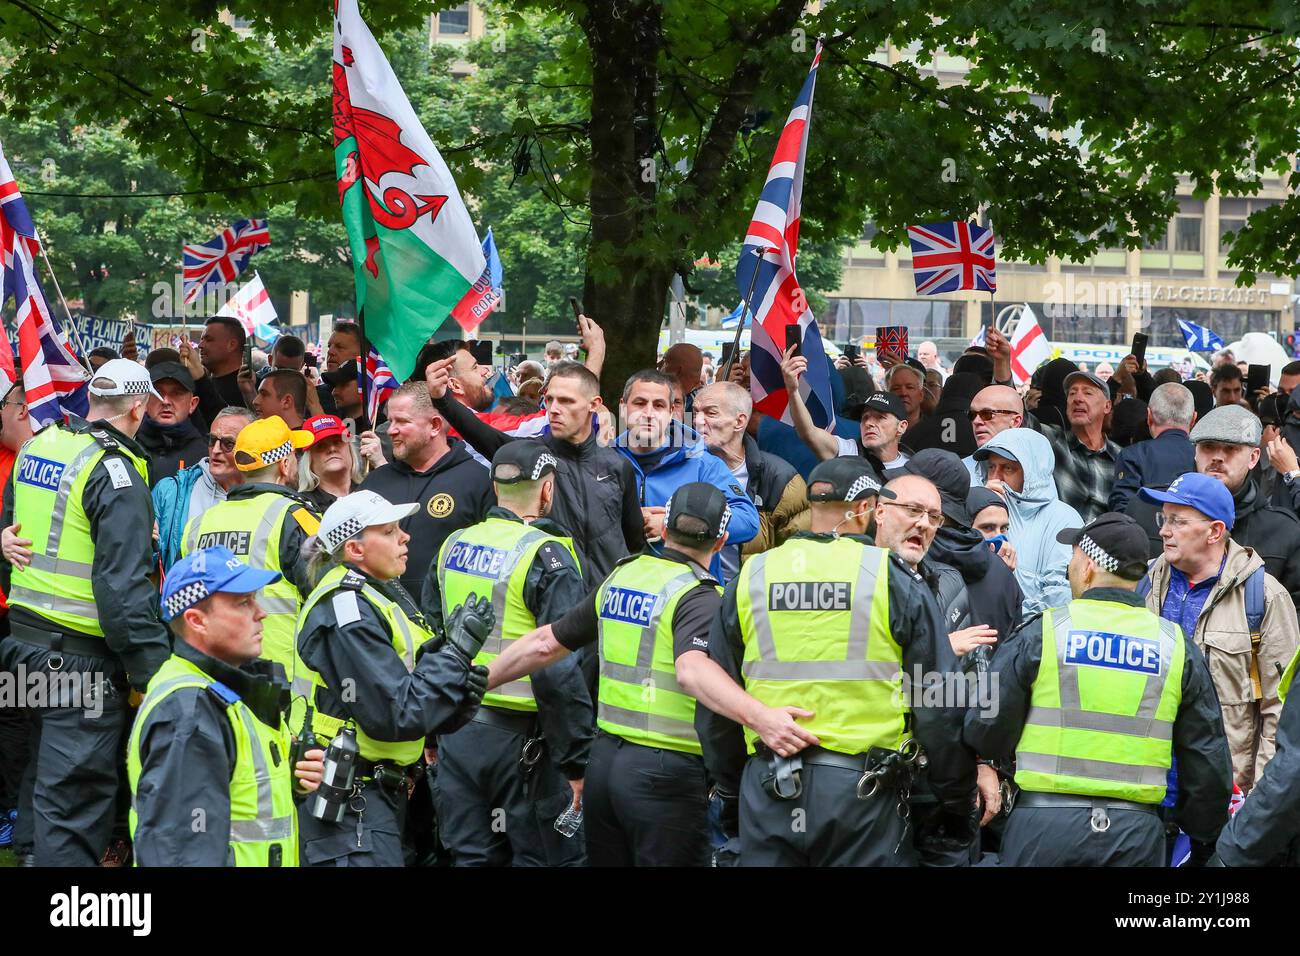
(949,428)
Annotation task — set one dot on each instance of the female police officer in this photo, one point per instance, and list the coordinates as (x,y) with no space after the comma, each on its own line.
(367,653)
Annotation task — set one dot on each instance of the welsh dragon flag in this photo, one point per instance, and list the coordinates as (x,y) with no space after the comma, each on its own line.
(414,248)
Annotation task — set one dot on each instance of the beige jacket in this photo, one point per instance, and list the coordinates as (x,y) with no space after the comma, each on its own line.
(1224,637)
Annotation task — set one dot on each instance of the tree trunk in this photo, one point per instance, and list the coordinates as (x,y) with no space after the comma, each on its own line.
(625,37)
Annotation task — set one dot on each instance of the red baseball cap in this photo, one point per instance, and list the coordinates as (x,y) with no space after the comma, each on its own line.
(324,426)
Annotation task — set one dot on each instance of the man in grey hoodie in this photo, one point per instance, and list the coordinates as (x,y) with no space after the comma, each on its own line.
(1018,464)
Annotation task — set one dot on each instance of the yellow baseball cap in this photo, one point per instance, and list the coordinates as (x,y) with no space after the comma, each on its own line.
(267,441)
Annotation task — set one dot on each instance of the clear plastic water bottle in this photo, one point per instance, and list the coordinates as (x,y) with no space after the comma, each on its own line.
(567,823)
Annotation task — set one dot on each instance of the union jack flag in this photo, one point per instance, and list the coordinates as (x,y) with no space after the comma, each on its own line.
(222,258)
(949,256)
(768,260)
(55,382)
(376,382)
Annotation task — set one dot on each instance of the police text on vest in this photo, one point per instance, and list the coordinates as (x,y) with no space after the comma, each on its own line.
(476,559)
(77,909)
(628,606)
(808,596)
(1118,651)
(40,472)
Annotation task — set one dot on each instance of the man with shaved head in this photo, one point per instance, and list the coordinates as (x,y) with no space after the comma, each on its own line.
(722,410)
(685,363)
(994,409)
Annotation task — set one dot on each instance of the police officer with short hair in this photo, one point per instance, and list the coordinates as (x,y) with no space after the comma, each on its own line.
(524,753)
(374,664)
(265,522)
(82,606)
(646,790)
(210,743)
(1096,700)
(842,628)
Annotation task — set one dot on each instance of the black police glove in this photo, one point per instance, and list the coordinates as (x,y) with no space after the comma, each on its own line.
(476,683)
(948,832)
(470,625)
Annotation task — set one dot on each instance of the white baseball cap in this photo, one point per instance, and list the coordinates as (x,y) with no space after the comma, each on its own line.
(354,513)
(122,377)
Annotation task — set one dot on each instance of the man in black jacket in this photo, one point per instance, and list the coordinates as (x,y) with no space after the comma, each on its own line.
(168,433)
(451,488)
(596,498)
(1155,463)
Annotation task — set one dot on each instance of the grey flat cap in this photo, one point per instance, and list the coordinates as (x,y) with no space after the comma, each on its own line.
(1230,424)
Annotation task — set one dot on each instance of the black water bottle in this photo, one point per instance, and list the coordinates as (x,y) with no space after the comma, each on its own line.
(330,800)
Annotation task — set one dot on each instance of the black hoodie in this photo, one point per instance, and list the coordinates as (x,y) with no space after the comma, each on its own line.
(455,493)
(171,447)
(994,594)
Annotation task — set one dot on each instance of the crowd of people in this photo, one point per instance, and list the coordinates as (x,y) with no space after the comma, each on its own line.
(520,619)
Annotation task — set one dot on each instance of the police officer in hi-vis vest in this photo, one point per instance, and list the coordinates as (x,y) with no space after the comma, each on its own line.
(833,624)
(646,789)
(1096,700)
(210,744)
(524,755)
(373,664)
(82,606)
(265,522)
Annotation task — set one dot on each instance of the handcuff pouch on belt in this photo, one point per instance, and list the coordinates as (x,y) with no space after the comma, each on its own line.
(891,769)
(531,753)
(393,779)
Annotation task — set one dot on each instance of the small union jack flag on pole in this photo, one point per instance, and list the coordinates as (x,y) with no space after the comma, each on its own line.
(222,258)
(376,382)
(951,256)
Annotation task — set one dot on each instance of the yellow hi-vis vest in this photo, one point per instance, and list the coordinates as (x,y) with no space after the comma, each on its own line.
(814,617)
(262,813)
(1102,708)
(492,558)
(251,528)
(639,697)
(408,636)
(49,479)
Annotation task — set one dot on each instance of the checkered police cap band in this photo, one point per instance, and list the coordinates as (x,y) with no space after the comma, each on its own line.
(103,384)
(186,598)
(542,462)
(335,537)
(1097,555)
(859,486)
(726,519)
(279,453)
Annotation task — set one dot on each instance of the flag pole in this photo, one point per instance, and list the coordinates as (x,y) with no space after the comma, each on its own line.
(740,326)
(81,348)
(362,362)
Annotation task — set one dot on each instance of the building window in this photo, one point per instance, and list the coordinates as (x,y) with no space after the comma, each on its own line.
(1160,244)
(868,232)
(1187,233)
(1226,226)
(454,22)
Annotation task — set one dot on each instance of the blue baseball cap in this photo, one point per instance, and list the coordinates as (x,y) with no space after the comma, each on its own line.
(1207,495)
(206,572)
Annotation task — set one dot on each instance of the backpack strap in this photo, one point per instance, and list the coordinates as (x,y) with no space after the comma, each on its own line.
(1255,623)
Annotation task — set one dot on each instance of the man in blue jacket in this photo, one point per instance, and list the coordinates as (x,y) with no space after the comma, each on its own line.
(665,455)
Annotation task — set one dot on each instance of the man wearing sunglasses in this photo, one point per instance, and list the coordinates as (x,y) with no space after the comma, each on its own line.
(195,489)
(994,409)
(1237,613)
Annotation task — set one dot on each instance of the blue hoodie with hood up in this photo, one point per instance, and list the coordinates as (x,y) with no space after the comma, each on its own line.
(685,458)
(1037,514)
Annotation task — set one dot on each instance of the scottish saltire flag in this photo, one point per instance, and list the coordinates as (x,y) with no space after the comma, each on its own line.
(486,293)
(376,382)
(415,253)
(222,258)
(768,260)
(732,320)
(55,382)
(951,256)
(1198,337)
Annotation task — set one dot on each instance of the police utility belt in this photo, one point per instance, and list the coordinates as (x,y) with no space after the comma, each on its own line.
(59,642)
(881,769)
(1099,806)
(390,776)
(523,723)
